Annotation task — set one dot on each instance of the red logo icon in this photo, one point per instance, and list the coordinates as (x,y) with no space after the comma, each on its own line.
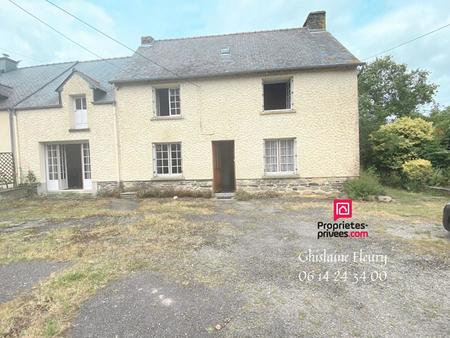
(342,209)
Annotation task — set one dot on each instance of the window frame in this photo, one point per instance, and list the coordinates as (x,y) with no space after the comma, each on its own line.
(170,159)
(289,94)
(76,111)
(279,156)
(174,105)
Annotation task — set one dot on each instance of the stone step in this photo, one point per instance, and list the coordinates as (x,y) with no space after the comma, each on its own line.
(128,194)
(224,195)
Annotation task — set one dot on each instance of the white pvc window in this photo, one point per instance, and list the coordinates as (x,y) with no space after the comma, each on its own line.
(86,161)
(52,158)
(280,156)
(168,101)
(167,159)
(80,114)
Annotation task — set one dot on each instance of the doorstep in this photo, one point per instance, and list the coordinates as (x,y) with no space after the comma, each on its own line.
(224,195)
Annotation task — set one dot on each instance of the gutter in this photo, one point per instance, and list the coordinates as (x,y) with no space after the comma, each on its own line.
(13,143)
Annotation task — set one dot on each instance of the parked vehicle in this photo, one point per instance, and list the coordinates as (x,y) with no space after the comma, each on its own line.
(446,217)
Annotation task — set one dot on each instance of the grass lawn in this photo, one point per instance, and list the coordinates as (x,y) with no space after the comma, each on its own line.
(158,235)
(408,205)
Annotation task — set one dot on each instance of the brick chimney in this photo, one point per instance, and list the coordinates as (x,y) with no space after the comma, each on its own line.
(316,21)
(7,64)
(147,40)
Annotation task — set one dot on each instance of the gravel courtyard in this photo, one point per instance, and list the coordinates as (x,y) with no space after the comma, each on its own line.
(201,268)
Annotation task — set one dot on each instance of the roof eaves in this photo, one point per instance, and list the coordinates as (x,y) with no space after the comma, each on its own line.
(201,76)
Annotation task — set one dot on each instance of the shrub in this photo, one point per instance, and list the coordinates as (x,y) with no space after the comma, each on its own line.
(403,140)
(30,178)
(109,193)
(368,184)
(417,174)
(171,192)
(440,177)
(242,195)
(392,179)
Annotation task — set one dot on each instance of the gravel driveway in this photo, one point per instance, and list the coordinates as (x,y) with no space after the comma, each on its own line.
(260,294)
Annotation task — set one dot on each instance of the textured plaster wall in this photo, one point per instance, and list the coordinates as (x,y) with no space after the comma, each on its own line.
(52,125)
(5,138)
(325,124)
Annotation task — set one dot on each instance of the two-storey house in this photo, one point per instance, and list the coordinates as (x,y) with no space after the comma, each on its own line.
(260,110)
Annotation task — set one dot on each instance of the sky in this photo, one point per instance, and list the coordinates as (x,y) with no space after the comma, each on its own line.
(365,27)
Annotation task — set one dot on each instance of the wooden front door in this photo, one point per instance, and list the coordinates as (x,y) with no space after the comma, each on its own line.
(216,167)
(223,166)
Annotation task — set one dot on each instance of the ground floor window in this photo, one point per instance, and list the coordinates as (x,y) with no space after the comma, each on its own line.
(279,156)
(167,158)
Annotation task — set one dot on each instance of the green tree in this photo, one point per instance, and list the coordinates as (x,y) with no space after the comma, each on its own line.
(438,151)
(441,123)
(389,90)
(395,143)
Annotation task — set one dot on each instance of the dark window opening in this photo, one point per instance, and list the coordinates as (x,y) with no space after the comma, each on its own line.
(162,100)
(277,95)
(168,101)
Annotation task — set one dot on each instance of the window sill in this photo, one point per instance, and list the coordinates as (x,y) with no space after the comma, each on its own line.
(278,111)
(76,130)
(280,175)
(168,178)
(162,118)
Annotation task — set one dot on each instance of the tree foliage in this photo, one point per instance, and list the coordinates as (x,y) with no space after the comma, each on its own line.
(395,143)
(389,90)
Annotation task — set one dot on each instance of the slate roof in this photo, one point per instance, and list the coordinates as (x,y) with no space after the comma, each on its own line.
(254,52)
(264,51)
(5,91)
(36,86)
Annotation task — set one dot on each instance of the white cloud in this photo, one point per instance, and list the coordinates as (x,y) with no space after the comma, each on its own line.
(365,28)
(406,22)
(33,41)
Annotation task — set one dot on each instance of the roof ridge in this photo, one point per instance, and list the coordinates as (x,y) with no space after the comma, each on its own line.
(229,34)
(75,61)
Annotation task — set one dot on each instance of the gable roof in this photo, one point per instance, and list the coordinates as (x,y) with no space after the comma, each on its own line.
(94,84)
(36,86)
(264,51)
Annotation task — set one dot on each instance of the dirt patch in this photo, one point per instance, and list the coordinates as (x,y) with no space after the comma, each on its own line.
(85,222)
(148,305)
(123,205)
(18,277)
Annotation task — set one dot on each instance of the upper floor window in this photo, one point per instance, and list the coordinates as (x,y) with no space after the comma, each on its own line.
(80,115)
(277,95)
(168,101)
(279,155)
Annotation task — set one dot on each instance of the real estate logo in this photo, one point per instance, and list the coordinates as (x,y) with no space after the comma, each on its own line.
(350,229)
(342,209)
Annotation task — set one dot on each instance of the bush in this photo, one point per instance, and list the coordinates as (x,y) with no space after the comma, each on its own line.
(115,193)
(171,192)
(242,195)
(417,174)
(403,140)
(368,184)
(30,178)
(392,179)
(440,177)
